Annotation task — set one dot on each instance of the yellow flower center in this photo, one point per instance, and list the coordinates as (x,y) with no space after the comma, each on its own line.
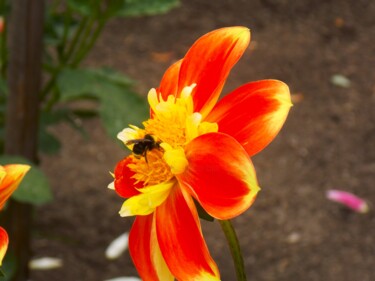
(152,172)
(169,122)
(159,148)
(173,124)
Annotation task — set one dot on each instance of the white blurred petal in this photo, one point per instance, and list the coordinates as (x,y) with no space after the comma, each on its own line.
(340,80)
(124,279)
(117,246)
(111,185)
(45,263)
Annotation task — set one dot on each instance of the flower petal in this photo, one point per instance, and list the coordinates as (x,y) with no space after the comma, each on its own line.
(45,263)
(14,174)
(175,158)
(125,185)
(220,175)
(208,63)
(145,250)
(146,202)
(4,241)
(253,114)
(117,247)
(181,241)
(349,200)
(169,82)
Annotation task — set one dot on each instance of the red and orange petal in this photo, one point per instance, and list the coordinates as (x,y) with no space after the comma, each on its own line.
(181,241)
(14,174)
(140,247)
(207,64)
(169,82)
(220,175)
(4,241)
(253,114)
(125,185)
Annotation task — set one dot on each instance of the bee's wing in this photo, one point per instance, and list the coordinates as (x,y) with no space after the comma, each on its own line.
(135,141)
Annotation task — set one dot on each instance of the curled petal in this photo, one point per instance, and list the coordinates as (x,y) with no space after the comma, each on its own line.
(12,176)
(129,134)
(181,241)
(4,241)
(146,202)
(145,251)
(220,175)
(208,63)
(175,158)
(253,114)
(124,183)
(169,82)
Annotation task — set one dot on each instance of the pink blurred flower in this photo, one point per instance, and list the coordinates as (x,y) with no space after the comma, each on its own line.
(349,200)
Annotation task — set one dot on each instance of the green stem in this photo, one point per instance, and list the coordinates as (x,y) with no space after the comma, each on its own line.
(55,6)
(49,85)
(235,249)
(85,48)
(67,22)
(47,88)
(75,39)
(77,55)
(54,98)
(83,40)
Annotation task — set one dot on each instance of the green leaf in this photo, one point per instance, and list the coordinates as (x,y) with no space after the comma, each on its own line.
(146,7)
(48,143)
(85,113)
(76,83)
(88,83)
(54,28)
(9,266)
(113,76)
(119,105)
(34,188)
(3,89)
(85,7)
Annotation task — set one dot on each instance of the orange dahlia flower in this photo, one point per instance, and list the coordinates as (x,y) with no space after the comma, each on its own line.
(10,177)
(195,147)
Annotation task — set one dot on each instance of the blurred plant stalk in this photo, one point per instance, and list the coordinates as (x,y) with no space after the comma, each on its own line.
(25,39)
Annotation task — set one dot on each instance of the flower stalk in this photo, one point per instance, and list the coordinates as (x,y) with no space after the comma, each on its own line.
(235,249)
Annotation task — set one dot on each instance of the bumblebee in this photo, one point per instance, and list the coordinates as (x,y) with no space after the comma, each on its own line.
(141,146)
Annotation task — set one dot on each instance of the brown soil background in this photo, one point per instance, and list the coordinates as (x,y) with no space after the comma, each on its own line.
(292,232)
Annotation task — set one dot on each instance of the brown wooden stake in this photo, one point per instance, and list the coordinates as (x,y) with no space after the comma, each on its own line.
(21,126)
